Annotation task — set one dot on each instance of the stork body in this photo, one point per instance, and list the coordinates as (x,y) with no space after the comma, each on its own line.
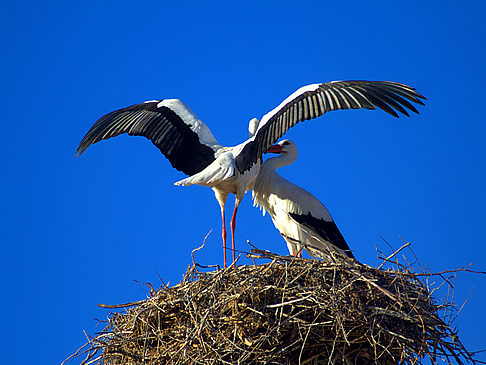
(224,178)
(302,220)
(191,148)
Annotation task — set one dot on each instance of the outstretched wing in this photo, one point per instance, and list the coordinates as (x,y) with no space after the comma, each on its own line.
(172,127)
(314,100)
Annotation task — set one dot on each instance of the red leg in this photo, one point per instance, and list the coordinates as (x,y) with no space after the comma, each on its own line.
(221,197)
(233,226)
(300,254)
(224,239)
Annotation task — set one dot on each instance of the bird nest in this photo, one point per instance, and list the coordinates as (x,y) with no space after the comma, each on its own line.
(285,311)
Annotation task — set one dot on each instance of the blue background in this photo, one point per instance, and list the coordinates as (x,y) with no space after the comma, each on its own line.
(78,231)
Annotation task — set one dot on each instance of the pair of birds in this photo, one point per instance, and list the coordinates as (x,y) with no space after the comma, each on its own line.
(191,148)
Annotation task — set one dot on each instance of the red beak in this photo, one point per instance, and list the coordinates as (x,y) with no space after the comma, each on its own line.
(276,148)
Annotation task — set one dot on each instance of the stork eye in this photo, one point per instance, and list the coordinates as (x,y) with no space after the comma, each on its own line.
(285,143)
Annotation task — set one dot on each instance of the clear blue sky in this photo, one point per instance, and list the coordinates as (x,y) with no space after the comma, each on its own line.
(78,231)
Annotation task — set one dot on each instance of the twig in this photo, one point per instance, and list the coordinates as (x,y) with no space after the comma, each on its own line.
(200,247)
(289,302)
(114,306)
(451,271)
(393,254)
(462,306)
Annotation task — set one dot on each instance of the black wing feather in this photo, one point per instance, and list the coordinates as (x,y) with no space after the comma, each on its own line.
(337,95)
(164,127)
(378,101)
(324,229)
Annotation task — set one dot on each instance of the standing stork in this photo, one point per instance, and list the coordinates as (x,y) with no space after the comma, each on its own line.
(302,220)
(191,148)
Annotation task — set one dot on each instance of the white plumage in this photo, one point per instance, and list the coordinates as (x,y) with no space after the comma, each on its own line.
(191,148)
(301,219)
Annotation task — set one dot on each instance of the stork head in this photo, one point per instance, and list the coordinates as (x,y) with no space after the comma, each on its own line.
(284,147)
(253,126)
(287,151)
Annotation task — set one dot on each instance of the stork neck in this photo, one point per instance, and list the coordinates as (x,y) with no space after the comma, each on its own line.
(275,163)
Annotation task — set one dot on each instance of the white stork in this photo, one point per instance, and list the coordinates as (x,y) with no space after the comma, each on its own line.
(191,148)
(302,220)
